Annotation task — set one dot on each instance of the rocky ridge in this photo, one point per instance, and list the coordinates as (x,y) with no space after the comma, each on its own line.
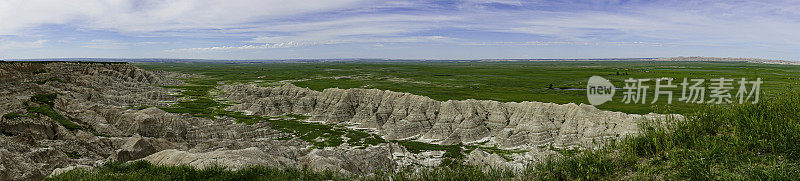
(406,116)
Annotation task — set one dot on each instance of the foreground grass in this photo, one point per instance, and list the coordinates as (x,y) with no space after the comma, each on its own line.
(752,142)
(143,170)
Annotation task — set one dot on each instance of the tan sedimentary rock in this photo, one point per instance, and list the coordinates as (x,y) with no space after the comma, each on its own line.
(37,128)
(404,158)
(34,163)
(233,159)
(356,161)
(403,115)
(89,95)
(481,158)
(59,171)
(137,147)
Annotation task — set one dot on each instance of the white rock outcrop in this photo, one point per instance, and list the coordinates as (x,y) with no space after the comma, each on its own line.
(232,159)
(403,115)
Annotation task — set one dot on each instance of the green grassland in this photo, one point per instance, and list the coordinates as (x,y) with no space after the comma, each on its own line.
(501,81)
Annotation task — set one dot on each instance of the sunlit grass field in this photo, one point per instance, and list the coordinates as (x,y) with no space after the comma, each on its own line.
(501,81)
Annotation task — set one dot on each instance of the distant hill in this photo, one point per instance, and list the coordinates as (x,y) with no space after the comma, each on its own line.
(715,59)
(681,59)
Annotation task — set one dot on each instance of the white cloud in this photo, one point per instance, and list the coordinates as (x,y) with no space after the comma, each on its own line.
(391,28)
(247,47)
(231,25)
(292,44)
(548,43)
(105,44)
(480,4)
(707,23)
(10,45)
(349,28)
(115,44)
(153,15)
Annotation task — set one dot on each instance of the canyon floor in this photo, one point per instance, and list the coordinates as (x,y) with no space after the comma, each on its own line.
(382,121)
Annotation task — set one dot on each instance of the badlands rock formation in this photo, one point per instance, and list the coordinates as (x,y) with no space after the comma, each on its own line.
(98,99)
(89,95)
(403,115)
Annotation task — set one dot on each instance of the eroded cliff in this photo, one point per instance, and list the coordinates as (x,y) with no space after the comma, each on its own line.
(407,116)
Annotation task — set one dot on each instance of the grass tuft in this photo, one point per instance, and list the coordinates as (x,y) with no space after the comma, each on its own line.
(16,115)
(143,170)
(46,102)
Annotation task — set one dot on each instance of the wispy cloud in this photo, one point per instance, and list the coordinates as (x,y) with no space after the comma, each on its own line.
(293,44)
(10,45)
(243,25)
(105,44)
(548,43)
(153,15)
(247,47)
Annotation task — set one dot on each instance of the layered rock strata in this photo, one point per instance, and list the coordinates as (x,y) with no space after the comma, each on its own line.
(402,115)
(89,95)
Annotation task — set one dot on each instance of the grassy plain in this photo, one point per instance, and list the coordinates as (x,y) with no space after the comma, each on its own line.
(501,81)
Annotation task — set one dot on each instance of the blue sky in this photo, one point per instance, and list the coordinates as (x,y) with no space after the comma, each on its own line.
(468,29)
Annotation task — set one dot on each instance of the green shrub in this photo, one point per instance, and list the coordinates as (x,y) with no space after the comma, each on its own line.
(16,115)
(46,102)
(99,134)
(451,151)
(48,111)
(46,99)
(73,154)
(11,115)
